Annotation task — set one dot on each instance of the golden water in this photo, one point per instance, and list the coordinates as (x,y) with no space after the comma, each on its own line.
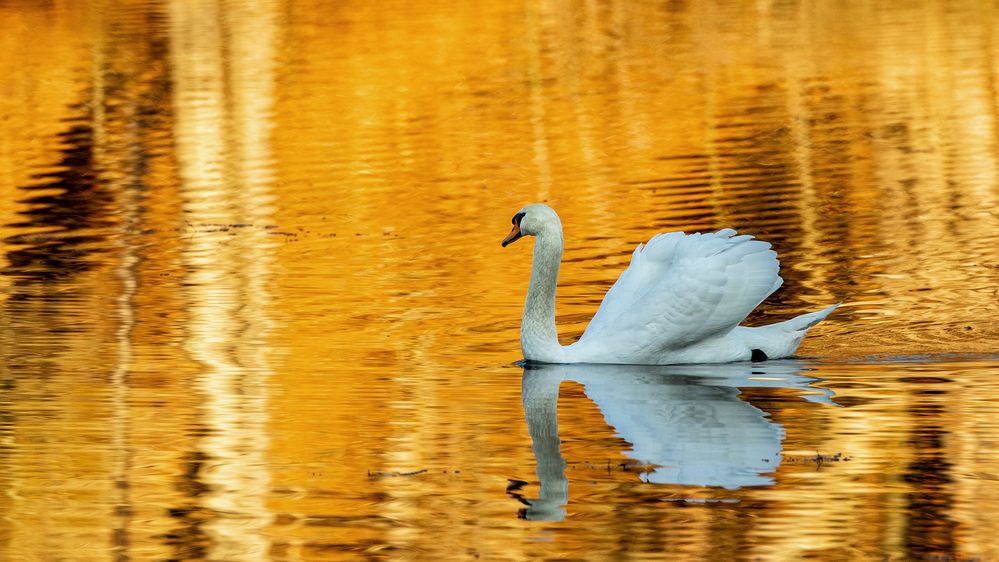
(253,304)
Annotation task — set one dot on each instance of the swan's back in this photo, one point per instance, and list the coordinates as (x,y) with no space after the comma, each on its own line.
(680,289)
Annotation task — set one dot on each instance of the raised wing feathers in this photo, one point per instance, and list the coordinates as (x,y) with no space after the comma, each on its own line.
(680,289)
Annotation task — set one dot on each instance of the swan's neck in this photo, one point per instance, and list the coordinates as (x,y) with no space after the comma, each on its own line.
(538,338)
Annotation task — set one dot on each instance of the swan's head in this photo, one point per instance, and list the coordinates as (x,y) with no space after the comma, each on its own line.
(533,220)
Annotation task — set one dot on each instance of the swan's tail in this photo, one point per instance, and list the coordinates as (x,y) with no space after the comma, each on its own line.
(776,341)
(805,321)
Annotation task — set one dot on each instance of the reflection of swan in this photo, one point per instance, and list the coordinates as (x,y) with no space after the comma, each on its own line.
(680,301)
(688,422)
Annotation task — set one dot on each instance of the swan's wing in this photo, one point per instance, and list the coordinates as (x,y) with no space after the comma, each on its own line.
(680,289)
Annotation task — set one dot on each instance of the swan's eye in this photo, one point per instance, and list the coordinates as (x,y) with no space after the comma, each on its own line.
(517,218)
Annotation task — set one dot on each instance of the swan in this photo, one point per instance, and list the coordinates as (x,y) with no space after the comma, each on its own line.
(680,301)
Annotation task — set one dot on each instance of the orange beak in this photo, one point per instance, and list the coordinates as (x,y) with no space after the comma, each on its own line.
(514,235)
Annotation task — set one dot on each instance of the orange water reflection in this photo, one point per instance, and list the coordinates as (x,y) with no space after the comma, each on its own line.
(253,305)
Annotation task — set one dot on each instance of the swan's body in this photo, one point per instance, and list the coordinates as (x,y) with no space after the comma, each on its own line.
(680,301)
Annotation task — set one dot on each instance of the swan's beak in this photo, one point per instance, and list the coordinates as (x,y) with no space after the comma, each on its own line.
(514,235)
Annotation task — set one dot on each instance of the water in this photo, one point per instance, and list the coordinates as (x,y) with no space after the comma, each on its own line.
(253,304)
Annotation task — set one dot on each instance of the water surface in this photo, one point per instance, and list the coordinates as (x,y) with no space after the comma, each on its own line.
(253,304)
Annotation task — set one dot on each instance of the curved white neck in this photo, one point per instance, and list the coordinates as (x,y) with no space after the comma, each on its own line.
(538,338)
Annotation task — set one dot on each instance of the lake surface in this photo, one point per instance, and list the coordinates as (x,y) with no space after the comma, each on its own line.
(253,304)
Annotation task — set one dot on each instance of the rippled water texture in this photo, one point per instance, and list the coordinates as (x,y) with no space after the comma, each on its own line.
(253,304)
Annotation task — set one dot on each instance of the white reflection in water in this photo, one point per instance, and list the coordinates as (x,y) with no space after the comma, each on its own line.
(686,422)
(223,81)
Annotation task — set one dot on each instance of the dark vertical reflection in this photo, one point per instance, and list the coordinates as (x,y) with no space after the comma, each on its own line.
(62,231)
(187,539)
(66,213)
(74,261)
(930,532)
(8,420)
(54,259)
(134,82)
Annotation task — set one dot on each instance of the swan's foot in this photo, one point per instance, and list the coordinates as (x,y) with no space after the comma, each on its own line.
(758,355)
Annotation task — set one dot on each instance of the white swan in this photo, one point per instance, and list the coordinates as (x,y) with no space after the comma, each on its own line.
(680,301)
